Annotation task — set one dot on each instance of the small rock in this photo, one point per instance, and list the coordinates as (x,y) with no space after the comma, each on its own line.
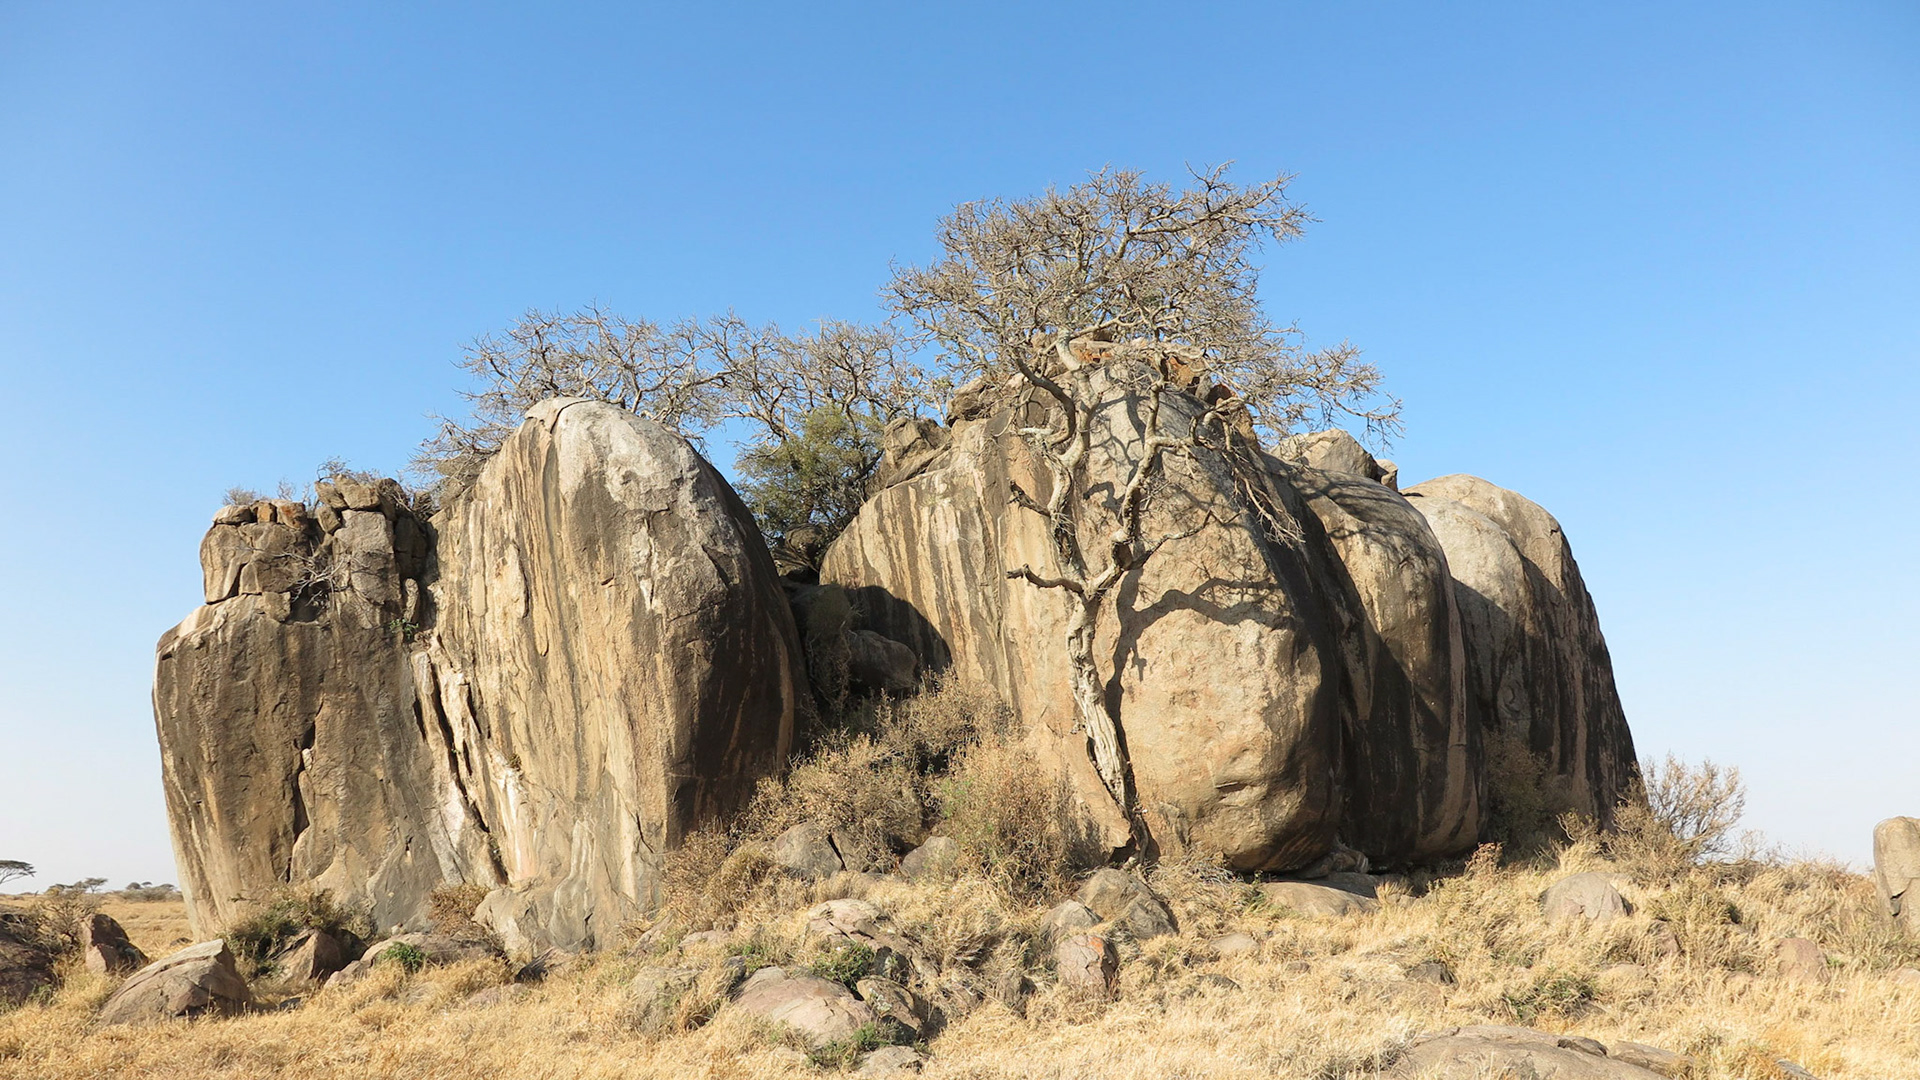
(1216,982)
(1432,971)
(935,859)
(1234,946)
(1087,963)
(1589,896)
(891,1061)
(820,1010)
(877,662)
(701,938)
(1067,918)
(1802,960)
(311,956)
(894,1002)
(1126,900)
(806,851)
(1907,976)
(106,948)
(1296,967)
(656,990)
(198,980)
(1013,990)
(1315,900)
(1583,1044)
(1794,1070)
(234,515)
(1651,1058)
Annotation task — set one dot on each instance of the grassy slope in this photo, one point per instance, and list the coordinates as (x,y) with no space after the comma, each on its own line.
(1343,1015)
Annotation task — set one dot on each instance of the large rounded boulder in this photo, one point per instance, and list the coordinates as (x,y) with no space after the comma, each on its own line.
(1539,676)
(1246,665)
(586,654)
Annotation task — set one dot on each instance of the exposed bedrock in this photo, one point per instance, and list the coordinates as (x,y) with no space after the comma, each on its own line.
(586,655)
(1287,670)
(1300,665)
(1539,675)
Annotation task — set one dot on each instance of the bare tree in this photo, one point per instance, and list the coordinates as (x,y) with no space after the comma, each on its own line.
(1158,287)
(1120,259)
(808,399)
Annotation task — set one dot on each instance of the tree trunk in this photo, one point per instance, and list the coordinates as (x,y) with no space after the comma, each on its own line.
(1090,700)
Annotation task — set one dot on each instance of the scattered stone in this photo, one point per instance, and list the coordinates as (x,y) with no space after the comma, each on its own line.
(656,990)
(1484,1050)
(1296,967)
(891,1061)
(1802,960)
(819,1010)
(1217,982)
(25,964)
(1907,976)
(701,938)
(1234,946)
(1665,1062)
(1087,963)
(937,858)
(1896,869)
(877,662)
(1013,990)
(1067,918)
(1589,896)
(1319,901)
(806,851)
(1794,1070)
(311,956)
(200,980)
(1127,901)
(435,948)
(1432,971)
(894,1002)
(105,947)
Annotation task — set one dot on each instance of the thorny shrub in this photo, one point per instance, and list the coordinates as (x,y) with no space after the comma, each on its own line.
(266,928)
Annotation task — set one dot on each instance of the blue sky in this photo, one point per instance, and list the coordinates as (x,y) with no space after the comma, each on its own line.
(1655,266)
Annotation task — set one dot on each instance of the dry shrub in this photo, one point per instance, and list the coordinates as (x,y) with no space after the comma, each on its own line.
(1012,819)
(945,759)
(1523,797)
(450,908)
(266,926)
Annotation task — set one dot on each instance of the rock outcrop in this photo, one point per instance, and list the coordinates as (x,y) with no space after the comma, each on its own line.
(1288,669)
(26,963)
(583,656)
(1896,869)
(1539,674)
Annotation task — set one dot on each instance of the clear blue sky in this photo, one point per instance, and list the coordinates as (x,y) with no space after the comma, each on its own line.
(1655,266)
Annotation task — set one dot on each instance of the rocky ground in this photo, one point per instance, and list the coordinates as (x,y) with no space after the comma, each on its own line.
(1571,967)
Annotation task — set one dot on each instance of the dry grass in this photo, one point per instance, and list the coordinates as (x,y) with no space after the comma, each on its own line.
(1320,998)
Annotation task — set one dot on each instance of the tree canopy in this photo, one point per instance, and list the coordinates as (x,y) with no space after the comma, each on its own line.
(1116,258)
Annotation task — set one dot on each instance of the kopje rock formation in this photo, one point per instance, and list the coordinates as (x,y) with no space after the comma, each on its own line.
(588,654)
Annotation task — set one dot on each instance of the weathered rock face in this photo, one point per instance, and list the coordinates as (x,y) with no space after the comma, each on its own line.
(1286,669)
(584,656)
(290,739)
(1896,869)
(1538,670)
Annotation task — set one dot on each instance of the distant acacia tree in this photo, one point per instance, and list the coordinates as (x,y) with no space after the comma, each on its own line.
(14,868)
(1027,290)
